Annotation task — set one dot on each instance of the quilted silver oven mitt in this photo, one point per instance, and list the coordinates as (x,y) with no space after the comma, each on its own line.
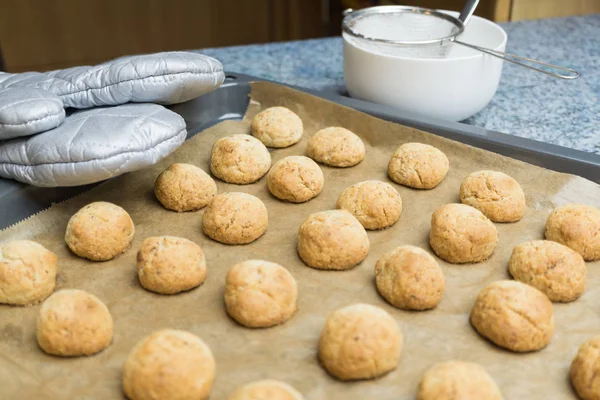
(42,145)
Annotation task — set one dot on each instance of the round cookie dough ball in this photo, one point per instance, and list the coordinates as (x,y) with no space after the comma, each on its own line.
(169,365)
(513,315)
(376,204)
(550,267)
(418,166)
(332,240)
(585,370)
(99,231)
(578,227)
(336,147)
(409,278)
(497,195)
(239,159)
(453,380)
(277,127)
(169,265)
(462,234)
(360,341)
(268,389)
(296,179)
(235,218)
(73,322)
(184,187)
(27,272)
(260,294)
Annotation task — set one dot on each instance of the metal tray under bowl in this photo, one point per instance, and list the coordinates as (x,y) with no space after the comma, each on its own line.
(19,201)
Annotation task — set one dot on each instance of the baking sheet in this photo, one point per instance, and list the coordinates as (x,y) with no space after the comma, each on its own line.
(288,352)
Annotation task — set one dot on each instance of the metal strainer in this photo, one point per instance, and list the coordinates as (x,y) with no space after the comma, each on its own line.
(426,33)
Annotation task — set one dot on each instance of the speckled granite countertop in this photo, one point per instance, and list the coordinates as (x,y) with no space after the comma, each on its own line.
(527,104)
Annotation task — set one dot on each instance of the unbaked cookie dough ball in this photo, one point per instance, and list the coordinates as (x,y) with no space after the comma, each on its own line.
(73,322)
(376,204)
(295,179)
(550,267)
(332,240)
(457,380)
(585,370)
(277,127)
(169,365)
(184,187)
(260,294)
(99,231)
(240,159)
(409,278)
(418,166)
(169,265)
(462,234)
(235,218)
(513,315)
(336,147)
(27,272)
(578,227)
(268,389)
(497,195)
(360,341)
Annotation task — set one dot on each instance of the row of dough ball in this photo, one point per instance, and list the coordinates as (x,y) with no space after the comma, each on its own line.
(242,159)
(100,231)
(349,333)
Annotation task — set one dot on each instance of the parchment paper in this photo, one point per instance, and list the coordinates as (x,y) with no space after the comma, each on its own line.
(288,352)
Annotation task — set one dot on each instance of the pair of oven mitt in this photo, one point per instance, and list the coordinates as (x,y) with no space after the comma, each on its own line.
(115,120)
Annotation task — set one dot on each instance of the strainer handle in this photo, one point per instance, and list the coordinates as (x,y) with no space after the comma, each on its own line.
(467,11)
(513,58)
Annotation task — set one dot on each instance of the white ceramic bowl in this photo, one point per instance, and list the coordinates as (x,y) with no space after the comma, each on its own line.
(451,88)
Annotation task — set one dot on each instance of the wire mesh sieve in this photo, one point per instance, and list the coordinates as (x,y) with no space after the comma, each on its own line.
(423,33)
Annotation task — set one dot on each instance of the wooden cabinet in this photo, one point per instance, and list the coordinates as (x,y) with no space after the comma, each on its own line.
(48,34)
(534,9)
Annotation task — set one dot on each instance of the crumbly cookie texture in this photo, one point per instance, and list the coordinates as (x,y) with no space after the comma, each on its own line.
(73,323)
(576,226)
(336,147)
(462,234)
(454,380)
(239,159)
(360,341)
(99,231)
(376,204)
(585,370)
(513,315)
(27,272)
(332,240)
(184,187)
(497,195)
(409,278)
(169,365)
(169,265)
(418,165)
(550,267)
(235,218)
(295,179)
(277,127)
(260,294)
(267,389)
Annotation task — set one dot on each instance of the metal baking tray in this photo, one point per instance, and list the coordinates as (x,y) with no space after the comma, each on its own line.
(19,201)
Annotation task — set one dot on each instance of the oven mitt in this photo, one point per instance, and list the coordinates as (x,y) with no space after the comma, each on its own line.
(162,78)
(93,145)
(26,111)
